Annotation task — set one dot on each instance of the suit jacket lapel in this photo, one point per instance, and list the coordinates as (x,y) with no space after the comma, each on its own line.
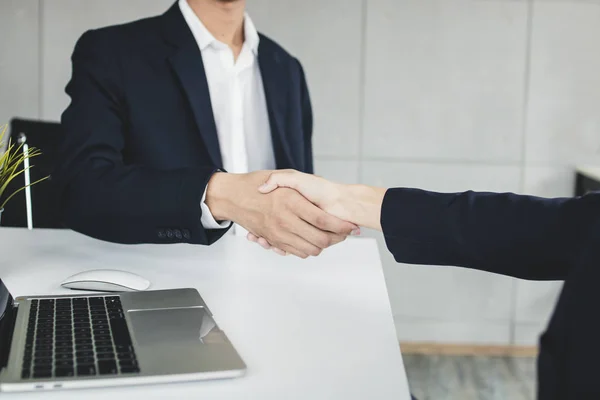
(276,84)
(186,61)
(189,68)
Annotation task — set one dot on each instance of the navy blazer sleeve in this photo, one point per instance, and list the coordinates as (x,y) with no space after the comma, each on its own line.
(521,236)
(103,197)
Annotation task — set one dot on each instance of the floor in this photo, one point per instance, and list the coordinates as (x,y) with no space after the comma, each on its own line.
(470,377)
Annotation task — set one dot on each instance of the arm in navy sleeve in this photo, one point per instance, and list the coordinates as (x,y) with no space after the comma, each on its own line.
(521,236)
(103,197)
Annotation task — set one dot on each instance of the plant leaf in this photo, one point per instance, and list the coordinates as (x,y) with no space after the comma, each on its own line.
(23,188)
(13,176)
(11,161)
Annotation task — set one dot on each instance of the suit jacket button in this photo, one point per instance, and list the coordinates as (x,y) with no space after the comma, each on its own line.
(186,234)
(177,233)
(161,234)
(169,234)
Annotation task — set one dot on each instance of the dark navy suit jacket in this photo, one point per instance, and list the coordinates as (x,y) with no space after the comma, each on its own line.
(525,237)
(140,140)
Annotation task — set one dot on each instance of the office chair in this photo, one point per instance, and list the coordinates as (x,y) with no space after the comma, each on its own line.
(585,183)
(38,206)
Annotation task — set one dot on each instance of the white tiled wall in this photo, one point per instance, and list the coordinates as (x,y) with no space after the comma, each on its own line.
(444,95)
(19,59)
(336,170)
(563,120)
(444,79)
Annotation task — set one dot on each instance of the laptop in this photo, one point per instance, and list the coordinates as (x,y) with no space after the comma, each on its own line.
(101,340)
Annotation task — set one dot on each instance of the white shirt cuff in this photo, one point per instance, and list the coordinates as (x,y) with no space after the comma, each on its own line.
(207,219)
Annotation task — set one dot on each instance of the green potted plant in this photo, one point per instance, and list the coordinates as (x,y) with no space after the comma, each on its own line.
(13,162)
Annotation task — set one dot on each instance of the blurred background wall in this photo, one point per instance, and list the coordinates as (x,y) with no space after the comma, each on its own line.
(447,95)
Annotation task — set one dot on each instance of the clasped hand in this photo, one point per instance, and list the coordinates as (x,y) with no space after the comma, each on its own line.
(324,194)
(298,218)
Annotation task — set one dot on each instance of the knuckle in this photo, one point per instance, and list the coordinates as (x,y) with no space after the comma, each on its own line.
(279,221)
(321,220)
(329,241)
(283,224)
(324,241)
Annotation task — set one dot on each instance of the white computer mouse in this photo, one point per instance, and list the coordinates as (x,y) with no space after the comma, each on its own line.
(106,280)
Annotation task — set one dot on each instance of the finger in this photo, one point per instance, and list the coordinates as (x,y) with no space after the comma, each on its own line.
(335,239)
(279,251)
(296,245)
(309,239)
(263,242)
(292,250)
(280,179)
(315,236)
(324,221)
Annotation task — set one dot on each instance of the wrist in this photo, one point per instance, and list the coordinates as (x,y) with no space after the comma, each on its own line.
(342,204)
(218,197)
(361,205)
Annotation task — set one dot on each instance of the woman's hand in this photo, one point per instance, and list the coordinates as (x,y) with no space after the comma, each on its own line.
(324,194)
(358,204)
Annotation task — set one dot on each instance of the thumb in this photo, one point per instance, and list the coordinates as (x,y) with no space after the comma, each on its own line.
(275,181)
(268,186)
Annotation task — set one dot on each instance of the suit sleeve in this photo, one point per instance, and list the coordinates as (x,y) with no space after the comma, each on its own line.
(307,121)
(521,236)
(101,196)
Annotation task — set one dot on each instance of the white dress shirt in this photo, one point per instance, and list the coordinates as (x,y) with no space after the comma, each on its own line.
(238,103)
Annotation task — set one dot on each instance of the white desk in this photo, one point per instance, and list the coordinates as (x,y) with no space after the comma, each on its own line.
(307,329)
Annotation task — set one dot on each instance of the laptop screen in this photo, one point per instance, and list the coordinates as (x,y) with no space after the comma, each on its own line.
(6,323)
(5,299)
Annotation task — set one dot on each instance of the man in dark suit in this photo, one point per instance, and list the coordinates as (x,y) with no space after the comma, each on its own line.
(525,237)
(160,106)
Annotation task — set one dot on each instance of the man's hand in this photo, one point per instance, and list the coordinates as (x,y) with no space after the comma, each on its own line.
(284,218)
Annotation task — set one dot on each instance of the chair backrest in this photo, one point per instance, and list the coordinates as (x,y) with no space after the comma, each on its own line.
(44,200)
(585,183)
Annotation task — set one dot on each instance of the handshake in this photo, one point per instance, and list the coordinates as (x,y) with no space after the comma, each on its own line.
(291,212)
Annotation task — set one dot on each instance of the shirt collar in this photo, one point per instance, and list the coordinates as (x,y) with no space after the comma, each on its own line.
(205,38)
(250,34)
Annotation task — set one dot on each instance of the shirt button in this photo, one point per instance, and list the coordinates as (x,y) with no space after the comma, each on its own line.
(169,234)
(186,234)
(177,233)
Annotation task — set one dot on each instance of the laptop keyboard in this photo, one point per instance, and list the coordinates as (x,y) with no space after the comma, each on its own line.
(77,337)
